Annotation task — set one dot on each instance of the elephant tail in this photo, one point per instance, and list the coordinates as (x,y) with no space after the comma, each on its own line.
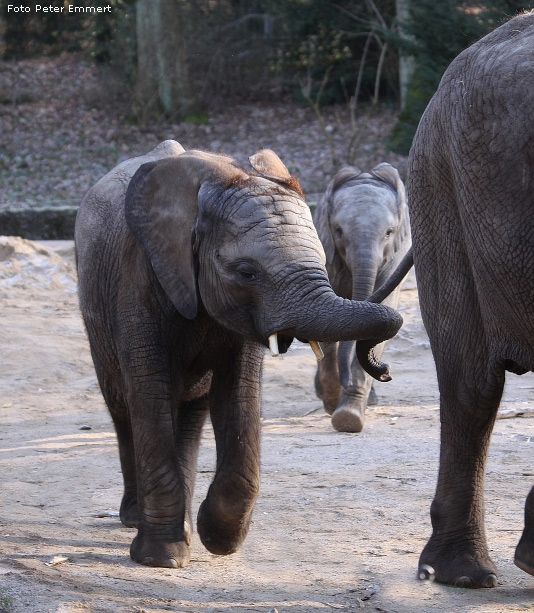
(396,278)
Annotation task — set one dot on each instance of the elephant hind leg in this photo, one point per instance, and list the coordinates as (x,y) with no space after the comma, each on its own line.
(524,553)
(457,550)
(129,508)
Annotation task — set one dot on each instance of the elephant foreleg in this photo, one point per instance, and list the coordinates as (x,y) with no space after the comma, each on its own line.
(188,421)
(163,538)
(327,385)
(224,516)
(349,415)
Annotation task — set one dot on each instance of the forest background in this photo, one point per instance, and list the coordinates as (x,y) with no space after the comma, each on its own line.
(323,83)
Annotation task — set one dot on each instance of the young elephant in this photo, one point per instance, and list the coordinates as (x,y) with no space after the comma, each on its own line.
(363,224)
(471,190)
(188,267)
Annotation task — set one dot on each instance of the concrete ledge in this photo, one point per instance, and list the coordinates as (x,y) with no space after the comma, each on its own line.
(54,223)
(39,224)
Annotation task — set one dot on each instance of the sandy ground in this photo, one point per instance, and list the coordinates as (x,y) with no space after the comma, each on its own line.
(340,520)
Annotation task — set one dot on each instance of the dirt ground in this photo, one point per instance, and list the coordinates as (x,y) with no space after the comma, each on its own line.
(341,518)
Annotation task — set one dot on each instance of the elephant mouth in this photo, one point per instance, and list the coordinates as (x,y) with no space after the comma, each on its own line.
(280,343)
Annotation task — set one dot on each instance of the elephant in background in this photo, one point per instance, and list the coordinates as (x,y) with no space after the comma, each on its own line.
(189,266)
(471,192)
(363,223)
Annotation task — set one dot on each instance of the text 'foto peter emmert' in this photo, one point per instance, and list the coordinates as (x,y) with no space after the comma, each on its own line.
(39,8)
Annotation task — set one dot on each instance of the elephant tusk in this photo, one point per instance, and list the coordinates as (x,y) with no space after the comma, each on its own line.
(273,345)
(316,348)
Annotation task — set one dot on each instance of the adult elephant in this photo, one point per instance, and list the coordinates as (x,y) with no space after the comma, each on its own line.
(189,266)
(471,193)
(362,221)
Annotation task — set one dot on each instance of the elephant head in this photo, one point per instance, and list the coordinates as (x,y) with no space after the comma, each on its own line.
(241,246)
(363,224)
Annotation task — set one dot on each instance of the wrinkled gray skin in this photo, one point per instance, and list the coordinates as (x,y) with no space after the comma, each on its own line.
(471,193)
(187,264)
(363,224)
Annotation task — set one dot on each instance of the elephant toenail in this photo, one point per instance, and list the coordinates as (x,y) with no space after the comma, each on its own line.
(426,573)
(463,582)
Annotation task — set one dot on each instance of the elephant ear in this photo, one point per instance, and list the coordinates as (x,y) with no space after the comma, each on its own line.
(386,172)
(161,211)
(323,210)
(390,175)
(346,174)
(320,220)
(268,164)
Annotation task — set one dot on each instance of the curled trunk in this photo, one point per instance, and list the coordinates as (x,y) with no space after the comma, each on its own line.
(321,315)
(365,348)
(340,319)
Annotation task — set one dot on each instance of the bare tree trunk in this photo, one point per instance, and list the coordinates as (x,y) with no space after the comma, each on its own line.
(163,80)
(406,62)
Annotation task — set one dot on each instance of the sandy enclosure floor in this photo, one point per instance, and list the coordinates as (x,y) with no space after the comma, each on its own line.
(341,518)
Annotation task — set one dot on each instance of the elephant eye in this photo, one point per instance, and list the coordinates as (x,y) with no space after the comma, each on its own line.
(338,231)
(246,271)
(389,232)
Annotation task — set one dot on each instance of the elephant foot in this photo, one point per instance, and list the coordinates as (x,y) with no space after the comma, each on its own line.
(524,555)
(458,565)
(329,408)
(348,419)
(330,402)
(129,511)
(161,554)
(328,392)
(218,535)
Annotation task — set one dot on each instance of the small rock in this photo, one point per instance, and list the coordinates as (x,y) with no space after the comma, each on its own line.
(57,560)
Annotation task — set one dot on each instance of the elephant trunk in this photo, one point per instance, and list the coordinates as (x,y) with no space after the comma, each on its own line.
(321,315)
(365,349)
(365,271)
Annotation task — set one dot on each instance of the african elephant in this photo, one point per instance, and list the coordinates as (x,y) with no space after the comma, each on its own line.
(471,193)
(362,221)
(189,266)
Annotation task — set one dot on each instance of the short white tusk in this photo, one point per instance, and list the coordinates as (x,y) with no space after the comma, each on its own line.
(316,348)
(273,345)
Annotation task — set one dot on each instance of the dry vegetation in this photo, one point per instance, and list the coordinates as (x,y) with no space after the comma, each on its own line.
(62,126)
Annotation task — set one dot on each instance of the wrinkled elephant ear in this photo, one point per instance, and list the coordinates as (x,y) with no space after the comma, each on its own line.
(161,212)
